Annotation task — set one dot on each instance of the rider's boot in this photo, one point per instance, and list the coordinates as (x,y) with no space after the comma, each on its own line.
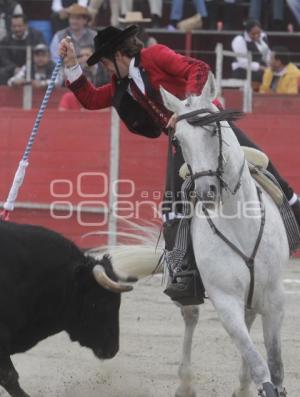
(184,285)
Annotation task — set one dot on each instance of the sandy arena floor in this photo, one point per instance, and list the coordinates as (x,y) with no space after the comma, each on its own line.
(151,337)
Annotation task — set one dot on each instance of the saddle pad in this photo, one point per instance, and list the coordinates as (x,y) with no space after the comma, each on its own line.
(271,185)
(267,184)
(256,157)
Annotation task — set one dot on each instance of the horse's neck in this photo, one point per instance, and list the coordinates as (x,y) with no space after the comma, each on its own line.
(234,172)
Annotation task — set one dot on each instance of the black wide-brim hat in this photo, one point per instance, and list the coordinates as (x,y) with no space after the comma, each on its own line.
(108,40)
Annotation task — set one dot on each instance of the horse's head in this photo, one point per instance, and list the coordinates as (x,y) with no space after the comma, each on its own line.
(199,133)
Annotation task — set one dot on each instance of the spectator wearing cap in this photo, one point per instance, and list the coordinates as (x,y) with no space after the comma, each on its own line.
(13,46)
(253,40)
(136,18)
(78,30)
(41,70)
(282,77)
(8,8)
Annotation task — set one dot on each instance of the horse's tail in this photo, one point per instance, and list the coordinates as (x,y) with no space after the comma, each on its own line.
(137,261)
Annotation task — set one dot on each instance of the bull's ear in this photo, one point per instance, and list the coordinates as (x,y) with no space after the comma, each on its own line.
(171,102)
(209,92)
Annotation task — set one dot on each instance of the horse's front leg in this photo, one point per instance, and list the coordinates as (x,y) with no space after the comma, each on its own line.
(272,323)
(232,314)
(245,377)
(190,315)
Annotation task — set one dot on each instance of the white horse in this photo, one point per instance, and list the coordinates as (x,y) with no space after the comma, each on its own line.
(238,215)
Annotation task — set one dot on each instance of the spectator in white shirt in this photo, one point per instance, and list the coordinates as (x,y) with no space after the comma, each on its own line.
(253,40)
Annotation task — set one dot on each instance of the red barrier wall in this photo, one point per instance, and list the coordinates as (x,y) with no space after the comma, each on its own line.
(70,147)
(13,97)
(71,143)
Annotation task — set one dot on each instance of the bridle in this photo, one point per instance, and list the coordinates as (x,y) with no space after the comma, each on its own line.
(214,118)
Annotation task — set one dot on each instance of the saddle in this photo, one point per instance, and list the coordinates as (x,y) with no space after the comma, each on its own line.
(257,162)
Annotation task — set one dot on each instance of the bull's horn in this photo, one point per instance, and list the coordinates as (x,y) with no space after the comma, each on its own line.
(102,278)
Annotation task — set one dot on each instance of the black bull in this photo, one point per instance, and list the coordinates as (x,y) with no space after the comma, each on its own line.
(47,285)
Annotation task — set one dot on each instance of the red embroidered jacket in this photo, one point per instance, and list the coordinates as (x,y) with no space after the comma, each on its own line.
(159,66)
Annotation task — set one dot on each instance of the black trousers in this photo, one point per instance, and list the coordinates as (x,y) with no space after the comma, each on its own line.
(172,195)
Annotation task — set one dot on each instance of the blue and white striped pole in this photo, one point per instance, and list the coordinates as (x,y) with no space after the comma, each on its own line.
(20,173)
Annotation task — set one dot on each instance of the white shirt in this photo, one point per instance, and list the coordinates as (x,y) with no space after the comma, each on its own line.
(239,45)
(134,73)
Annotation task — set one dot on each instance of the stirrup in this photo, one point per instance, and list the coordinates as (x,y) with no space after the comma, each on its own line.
(185,288)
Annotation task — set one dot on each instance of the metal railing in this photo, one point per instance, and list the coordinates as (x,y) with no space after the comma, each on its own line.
(245,85)
(27,89)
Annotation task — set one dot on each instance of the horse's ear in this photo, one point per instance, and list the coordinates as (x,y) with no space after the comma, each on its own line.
(209,91)
(171,102)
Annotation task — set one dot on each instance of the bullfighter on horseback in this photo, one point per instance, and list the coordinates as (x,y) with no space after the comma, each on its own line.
(137,74)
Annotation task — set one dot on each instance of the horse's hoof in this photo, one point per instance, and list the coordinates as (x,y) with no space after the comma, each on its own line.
(267,390)
(281,392)
(242,393)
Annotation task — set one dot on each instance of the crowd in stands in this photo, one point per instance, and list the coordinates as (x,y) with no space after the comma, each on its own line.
(272,70)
